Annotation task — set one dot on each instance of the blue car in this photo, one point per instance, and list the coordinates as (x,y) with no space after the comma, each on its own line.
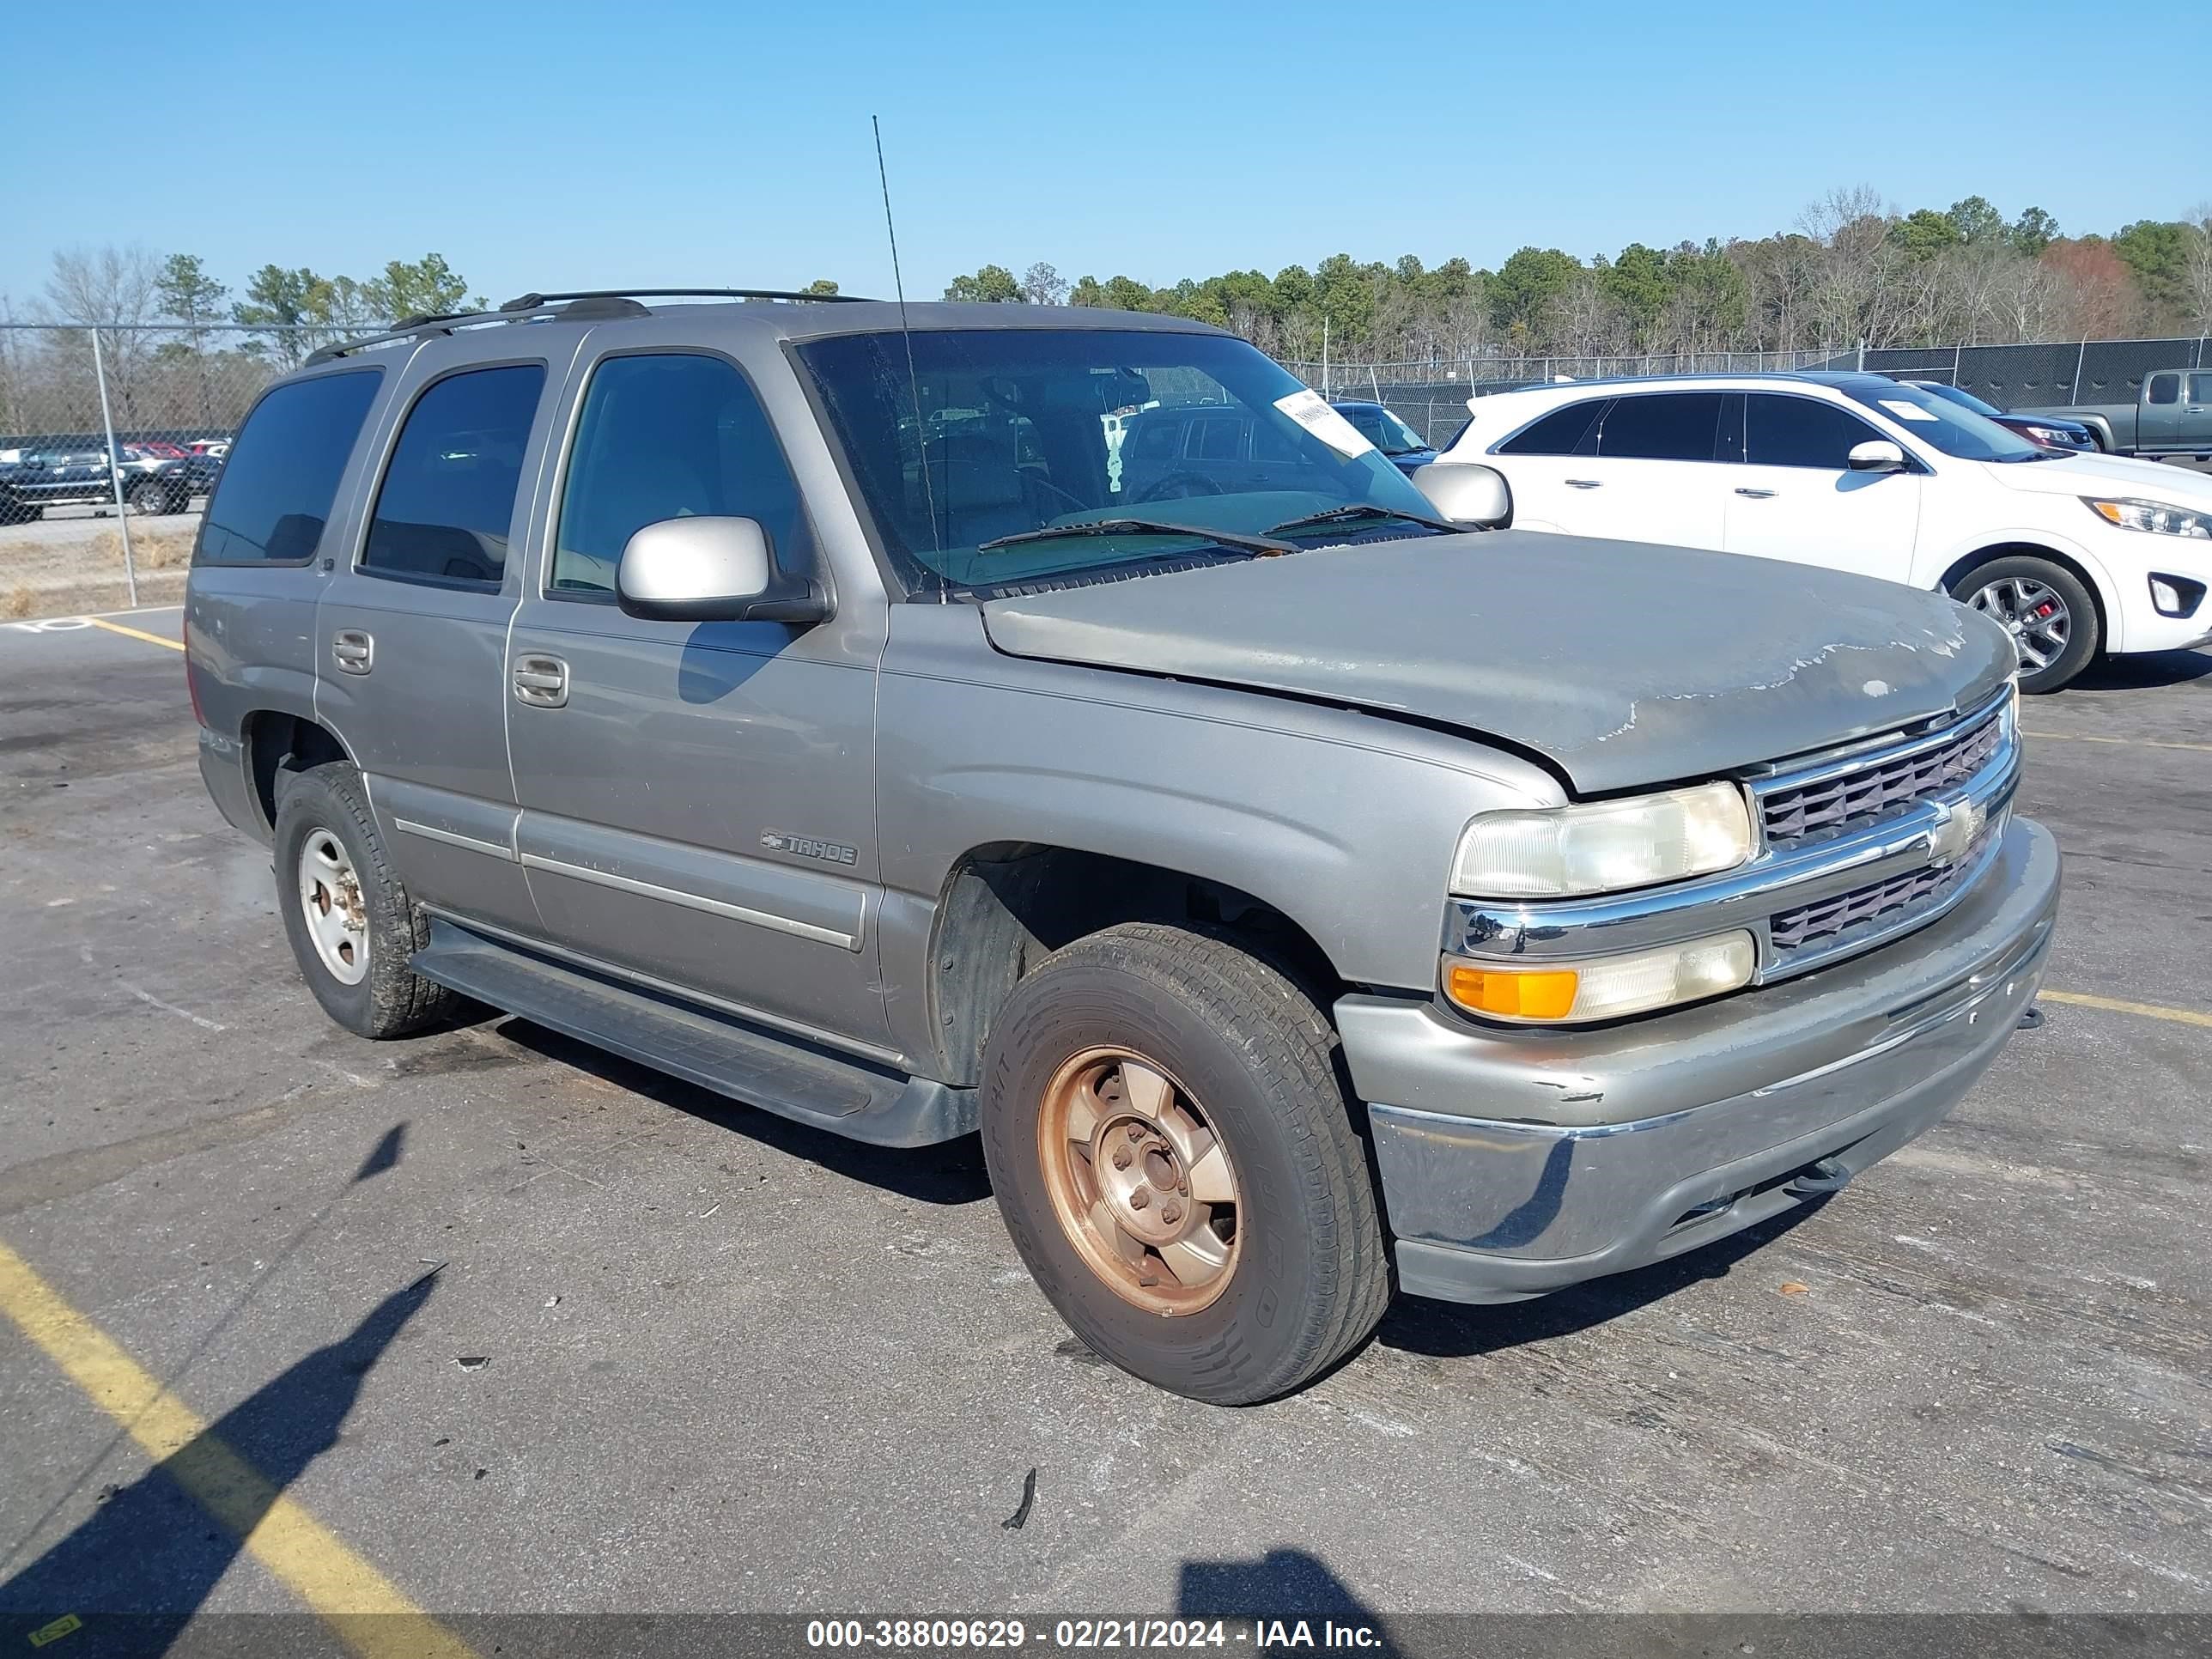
(1404,447)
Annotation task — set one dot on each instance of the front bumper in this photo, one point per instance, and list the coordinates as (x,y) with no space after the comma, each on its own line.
(1515,1162)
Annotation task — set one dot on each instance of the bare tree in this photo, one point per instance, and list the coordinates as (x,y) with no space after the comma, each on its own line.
(1043,286)
(2196,268)
(118,289)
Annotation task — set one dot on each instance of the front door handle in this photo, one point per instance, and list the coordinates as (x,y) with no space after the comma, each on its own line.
(353,651)
(1756,495)
(541,682)
(1585,484)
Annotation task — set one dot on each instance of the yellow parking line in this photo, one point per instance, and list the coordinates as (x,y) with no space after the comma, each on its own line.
(2115,1006)
(134,633)
(2078,737)
(364,1609)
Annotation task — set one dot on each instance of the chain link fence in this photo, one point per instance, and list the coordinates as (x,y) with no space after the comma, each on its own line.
(111,437)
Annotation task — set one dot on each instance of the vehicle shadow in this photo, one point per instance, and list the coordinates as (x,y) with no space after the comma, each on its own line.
(949,1173)
(2144,673)
(137,1571)
(1450,1330)
(1283,1583)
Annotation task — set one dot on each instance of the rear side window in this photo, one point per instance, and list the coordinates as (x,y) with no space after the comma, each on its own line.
(1559,433)
(2163,389)
(669,437)
(447,500)
(1781,431)
(277,487)
(1667,426)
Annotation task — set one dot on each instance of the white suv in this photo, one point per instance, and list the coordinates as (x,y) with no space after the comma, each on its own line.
(2078,554)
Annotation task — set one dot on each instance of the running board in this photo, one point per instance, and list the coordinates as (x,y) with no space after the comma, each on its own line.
(747,1063)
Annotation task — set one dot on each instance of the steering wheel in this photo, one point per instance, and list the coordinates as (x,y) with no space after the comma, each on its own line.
(1181,486)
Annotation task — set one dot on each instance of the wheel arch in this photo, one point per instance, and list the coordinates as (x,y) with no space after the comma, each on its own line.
(276,741)
(1005,906)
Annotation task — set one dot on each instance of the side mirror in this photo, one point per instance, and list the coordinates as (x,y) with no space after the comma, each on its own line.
(711,570)
(1466,492)
(1876,455)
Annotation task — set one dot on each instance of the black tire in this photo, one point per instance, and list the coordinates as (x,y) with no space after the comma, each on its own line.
(149,496)
(1310,1276)
(389,1001)
(2085,636)
(14,512)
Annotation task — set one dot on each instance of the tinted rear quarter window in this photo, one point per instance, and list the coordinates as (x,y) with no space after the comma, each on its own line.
(1667,426)
(447,500)
(277,489)
(1559,433)
(2163,389)
(1784,431)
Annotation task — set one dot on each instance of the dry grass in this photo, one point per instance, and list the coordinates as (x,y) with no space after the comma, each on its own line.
(17,604)
(152,548)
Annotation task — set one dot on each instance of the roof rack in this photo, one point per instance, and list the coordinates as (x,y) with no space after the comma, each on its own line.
(531,302)
(582,305)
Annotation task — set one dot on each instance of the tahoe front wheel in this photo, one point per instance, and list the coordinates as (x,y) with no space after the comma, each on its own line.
(1175,1161)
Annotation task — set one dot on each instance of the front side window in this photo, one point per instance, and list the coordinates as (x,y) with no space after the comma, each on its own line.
(999,433)
(1783,431)
(1562,432)
(671,436)
(1668,425)
(2200,388)
(2163,389)
(275,491)
(446,505)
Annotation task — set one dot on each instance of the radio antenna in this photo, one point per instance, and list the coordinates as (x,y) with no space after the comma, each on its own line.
(912,379)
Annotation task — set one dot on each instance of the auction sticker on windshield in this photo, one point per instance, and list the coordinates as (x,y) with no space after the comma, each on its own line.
(1312,410)
(1905,411)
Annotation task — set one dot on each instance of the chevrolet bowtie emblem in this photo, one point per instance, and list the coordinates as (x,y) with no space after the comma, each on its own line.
(1957,823)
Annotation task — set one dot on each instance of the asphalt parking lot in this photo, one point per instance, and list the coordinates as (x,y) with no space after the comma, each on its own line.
(680,1356)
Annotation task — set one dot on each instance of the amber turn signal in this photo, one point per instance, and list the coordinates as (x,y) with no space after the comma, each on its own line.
(1513,993)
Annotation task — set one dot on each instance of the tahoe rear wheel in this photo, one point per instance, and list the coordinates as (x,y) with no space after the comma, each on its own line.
(351,927)
(1176,1162)
(2051,616)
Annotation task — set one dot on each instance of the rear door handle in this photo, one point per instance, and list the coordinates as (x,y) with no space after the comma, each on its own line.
(1585,484)
(1755,494)
(354,651)
(541,682)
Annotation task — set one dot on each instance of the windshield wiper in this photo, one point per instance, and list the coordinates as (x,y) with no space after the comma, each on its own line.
(1261,545)
(1358,510)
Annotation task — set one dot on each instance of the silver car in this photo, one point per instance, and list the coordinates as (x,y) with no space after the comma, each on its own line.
(1308,887)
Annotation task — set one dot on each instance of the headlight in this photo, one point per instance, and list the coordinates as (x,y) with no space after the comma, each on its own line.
(1601,987)
(2054,436)
(2159,517)
(1606,846)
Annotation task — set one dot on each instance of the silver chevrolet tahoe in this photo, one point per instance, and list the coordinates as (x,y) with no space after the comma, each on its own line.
(1305,884)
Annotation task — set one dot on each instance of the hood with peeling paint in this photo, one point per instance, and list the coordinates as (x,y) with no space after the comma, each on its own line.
(1626,665)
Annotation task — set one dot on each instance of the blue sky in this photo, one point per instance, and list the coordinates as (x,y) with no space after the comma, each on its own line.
(720,143)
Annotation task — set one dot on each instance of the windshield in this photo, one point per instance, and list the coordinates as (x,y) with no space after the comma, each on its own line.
(1964,399)
(1381,428)
(1946,425)
(1022,430)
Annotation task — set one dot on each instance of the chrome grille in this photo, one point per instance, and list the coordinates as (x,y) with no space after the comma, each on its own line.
(1887,904)
(1882,789)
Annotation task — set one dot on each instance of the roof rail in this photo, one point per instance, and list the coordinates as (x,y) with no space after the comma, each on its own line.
(531,302)
(579,306)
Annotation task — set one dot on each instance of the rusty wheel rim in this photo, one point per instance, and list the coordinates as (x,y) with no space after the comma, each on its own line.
(1140,1181)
